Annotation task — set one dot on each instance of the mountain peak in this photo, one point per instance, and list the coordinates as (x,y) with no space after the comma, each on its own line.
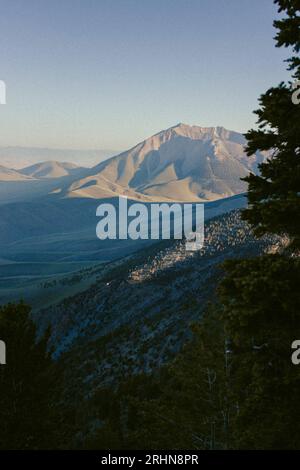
(195,132)
(181,125)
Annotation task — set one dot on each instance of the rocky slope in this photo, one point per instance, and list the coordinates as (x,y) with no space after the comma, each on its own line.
(138,313)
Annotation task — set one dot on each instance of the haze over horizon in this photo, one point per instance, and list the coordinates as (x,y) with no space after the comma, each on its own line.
(106,75)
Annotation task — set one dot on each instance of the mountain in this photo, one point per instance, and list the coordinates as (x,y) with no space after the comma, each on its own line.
(182,163)
(20,157)
(7,174)
(50,169)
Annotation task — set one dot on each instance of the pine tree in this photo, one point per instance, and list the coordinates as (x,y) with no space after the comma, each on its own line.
(186,405)
(261,316)
(28,418)
(274,196)
(260,296)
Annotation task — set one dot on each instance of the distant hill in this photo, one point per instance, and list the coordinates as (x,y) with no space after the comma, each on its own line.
(7,174)
(21,157)
(51,169)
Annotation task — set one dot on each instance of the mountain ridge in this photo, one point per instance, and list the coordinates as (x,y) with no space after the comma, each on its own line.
(181,163)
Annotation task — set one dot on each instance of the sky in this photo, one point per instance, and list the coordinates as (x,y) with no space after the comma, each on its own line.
(109,73)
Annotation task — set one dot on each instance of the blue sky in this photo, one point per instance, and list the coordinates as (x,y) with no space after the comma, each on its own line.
(109,73)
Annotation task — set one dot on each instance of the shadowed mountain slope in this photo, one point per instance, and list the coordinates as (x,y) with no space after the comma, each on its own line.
(183,163)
